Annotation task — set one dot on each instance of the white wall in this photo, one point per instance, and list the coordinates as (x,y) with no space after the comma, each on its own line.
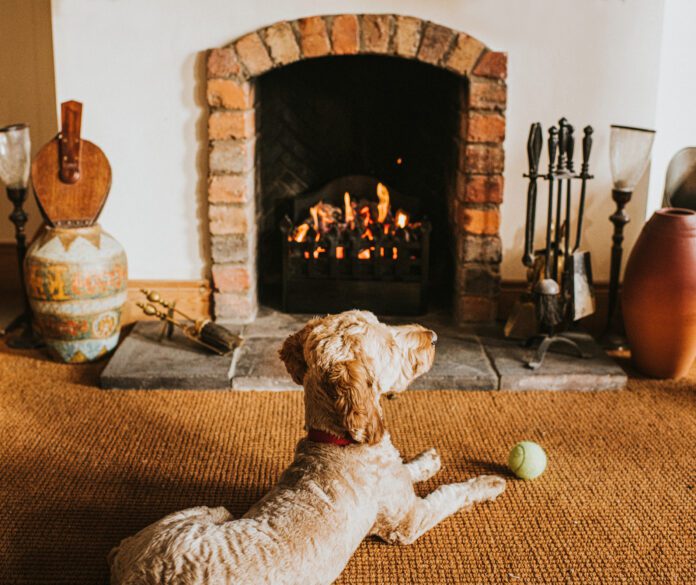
(27,90)
(676,102)
(137,65)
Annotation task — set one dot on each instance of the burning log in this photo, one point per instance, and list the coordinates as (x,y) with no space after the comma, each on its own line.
(352,242)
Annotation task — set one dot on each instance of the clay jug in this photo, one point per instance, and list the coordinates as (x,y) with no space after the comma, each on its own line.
(659,295)
(76,282)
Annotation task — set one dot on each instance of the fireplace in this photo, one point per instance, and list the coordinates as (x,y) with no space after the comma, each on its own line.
(305,112)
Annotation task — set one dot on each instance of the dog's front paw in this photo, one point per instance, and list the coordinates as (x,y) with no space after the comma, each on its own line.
(430,460)
(424,465)
(487,487)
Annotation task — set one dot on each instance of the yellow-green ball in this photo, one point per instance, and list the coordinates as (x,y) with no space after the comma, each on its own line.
(527,460)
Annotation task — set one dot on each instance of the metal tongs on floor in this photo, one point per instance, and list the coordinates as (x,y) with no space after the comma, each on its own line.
(203,332)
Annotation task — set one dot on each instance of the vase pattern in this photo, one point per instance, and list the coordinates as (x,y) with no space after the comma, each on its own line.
(659,295)
(76,281)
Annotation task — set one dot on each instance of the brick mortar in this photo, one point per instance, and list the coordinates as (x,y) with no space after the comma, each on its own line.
(449,50)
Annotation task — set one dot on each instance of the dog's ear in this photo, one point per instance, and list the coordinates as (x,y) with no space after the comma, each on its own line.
(292,354)
(349,384)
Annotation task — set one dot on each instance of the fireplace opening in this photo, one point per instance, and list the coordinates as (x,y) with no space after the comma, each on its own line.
(381,130)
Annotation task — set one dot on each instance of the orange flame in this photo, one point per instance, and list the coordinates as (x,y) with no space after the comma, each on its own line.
(300,233)
(339,252)
(383,205)
(315,216)
(395,253)
(349,216)
(364,254)
(318,251)
(401,219)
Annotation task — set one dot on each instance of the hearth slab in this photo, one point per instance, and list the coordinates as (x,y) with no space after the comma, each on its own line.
(460,362)
(142,362)
(256,366)
(560,371)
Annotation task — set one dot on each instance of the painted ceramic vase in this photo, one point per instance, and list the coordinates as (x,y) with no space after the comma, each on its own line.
(659,295)
(76,282)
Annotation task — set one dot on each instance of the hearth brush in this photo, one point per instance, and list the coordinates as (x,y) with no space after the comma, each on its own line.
(202,331)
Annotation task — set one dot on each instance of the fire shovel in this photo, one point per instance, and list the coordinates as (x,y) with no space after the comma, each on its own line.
(579,270)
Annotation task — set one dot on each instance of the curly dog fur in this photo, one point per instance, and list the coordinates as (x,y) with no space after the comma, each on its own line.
(331,497)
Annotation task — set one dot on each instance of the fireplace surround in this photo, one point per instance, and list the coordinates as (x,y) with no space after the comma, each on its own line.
(435,130)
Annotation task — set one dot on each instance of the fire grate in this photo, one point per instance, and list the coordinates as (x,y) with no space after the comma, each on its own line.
(339,254)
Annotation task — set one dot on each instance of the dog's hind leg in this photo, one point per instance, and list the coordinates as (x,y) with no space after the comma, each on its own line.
(423,466)
(443,502)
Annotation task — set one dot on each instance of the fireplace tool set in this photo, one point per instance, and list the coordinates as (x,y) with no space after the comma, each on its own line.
(203,332)
(559,275)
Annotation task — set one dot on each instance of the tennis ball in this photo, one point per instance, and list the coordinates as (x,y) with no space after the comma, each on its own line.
(527,460)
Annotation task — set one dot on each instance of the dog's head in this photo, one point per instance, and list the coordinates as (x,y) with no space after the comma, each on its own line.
(347,361)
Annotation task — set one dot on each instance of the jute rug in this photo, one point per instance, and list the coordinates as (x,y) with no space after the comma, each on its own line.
(81,468)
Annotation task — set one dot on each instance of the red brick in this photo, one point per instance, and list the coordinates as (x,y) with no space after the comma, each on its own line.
(482,249)
(314,38)
(376,30)
(407,35)
(482,222)
(253,54)
(230,94)
(464,55)
(227,219)
(223,63)
(488,95)
(231,156)
(345,36)
(436,41)
(235,124)
(282,44)
(231,188)
(234,307)
(492,64)
(480,188)
(476,309)
(231,278)
(483,127)
(482,159)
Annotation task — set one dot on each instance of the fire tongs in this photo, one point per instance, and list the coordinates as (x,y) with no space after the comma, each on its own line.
(203,332)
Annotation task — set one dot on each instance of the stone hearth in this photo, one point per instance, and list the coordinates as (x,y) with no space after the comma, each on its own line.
(466,359)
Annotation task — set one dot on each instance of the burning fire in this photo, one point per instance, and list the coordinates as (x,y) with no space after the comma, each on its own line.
(383,205)
(366,230)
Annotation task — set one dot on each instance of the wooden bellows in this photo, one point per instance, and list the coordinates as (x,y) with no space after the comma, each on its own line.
(71,176)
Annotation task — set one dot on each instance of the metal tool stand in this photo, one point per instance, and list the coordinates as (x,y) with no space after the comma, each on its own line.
(555,311)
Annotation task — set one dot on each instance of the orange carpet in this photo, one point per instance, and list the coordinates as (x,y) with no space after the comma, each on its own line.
(82,468)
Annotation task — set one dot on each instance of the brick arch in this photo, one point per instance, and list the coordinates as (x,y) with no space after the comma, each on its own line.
(476,191)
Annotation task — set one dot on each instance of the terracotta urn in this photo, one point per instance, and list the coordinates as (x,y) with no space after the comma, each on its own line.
(76,281)
(659,295)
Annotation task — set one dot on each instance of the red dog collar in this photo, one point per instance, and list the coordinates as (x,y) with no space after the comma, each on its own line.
(323,437)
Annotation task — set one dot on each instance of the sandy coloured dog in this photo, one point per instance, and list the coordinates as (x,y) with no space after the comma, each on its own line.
(347,480)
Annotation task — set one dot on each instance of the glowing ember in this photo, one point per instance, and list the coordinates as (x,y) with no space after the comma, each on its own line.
(339,252)
(364,254)
(383,205)
(401,219)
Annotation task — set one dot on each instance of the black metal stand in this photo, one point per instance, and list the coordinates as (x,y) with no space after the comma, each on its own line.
(613,336)
(26,339)
(545,342)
